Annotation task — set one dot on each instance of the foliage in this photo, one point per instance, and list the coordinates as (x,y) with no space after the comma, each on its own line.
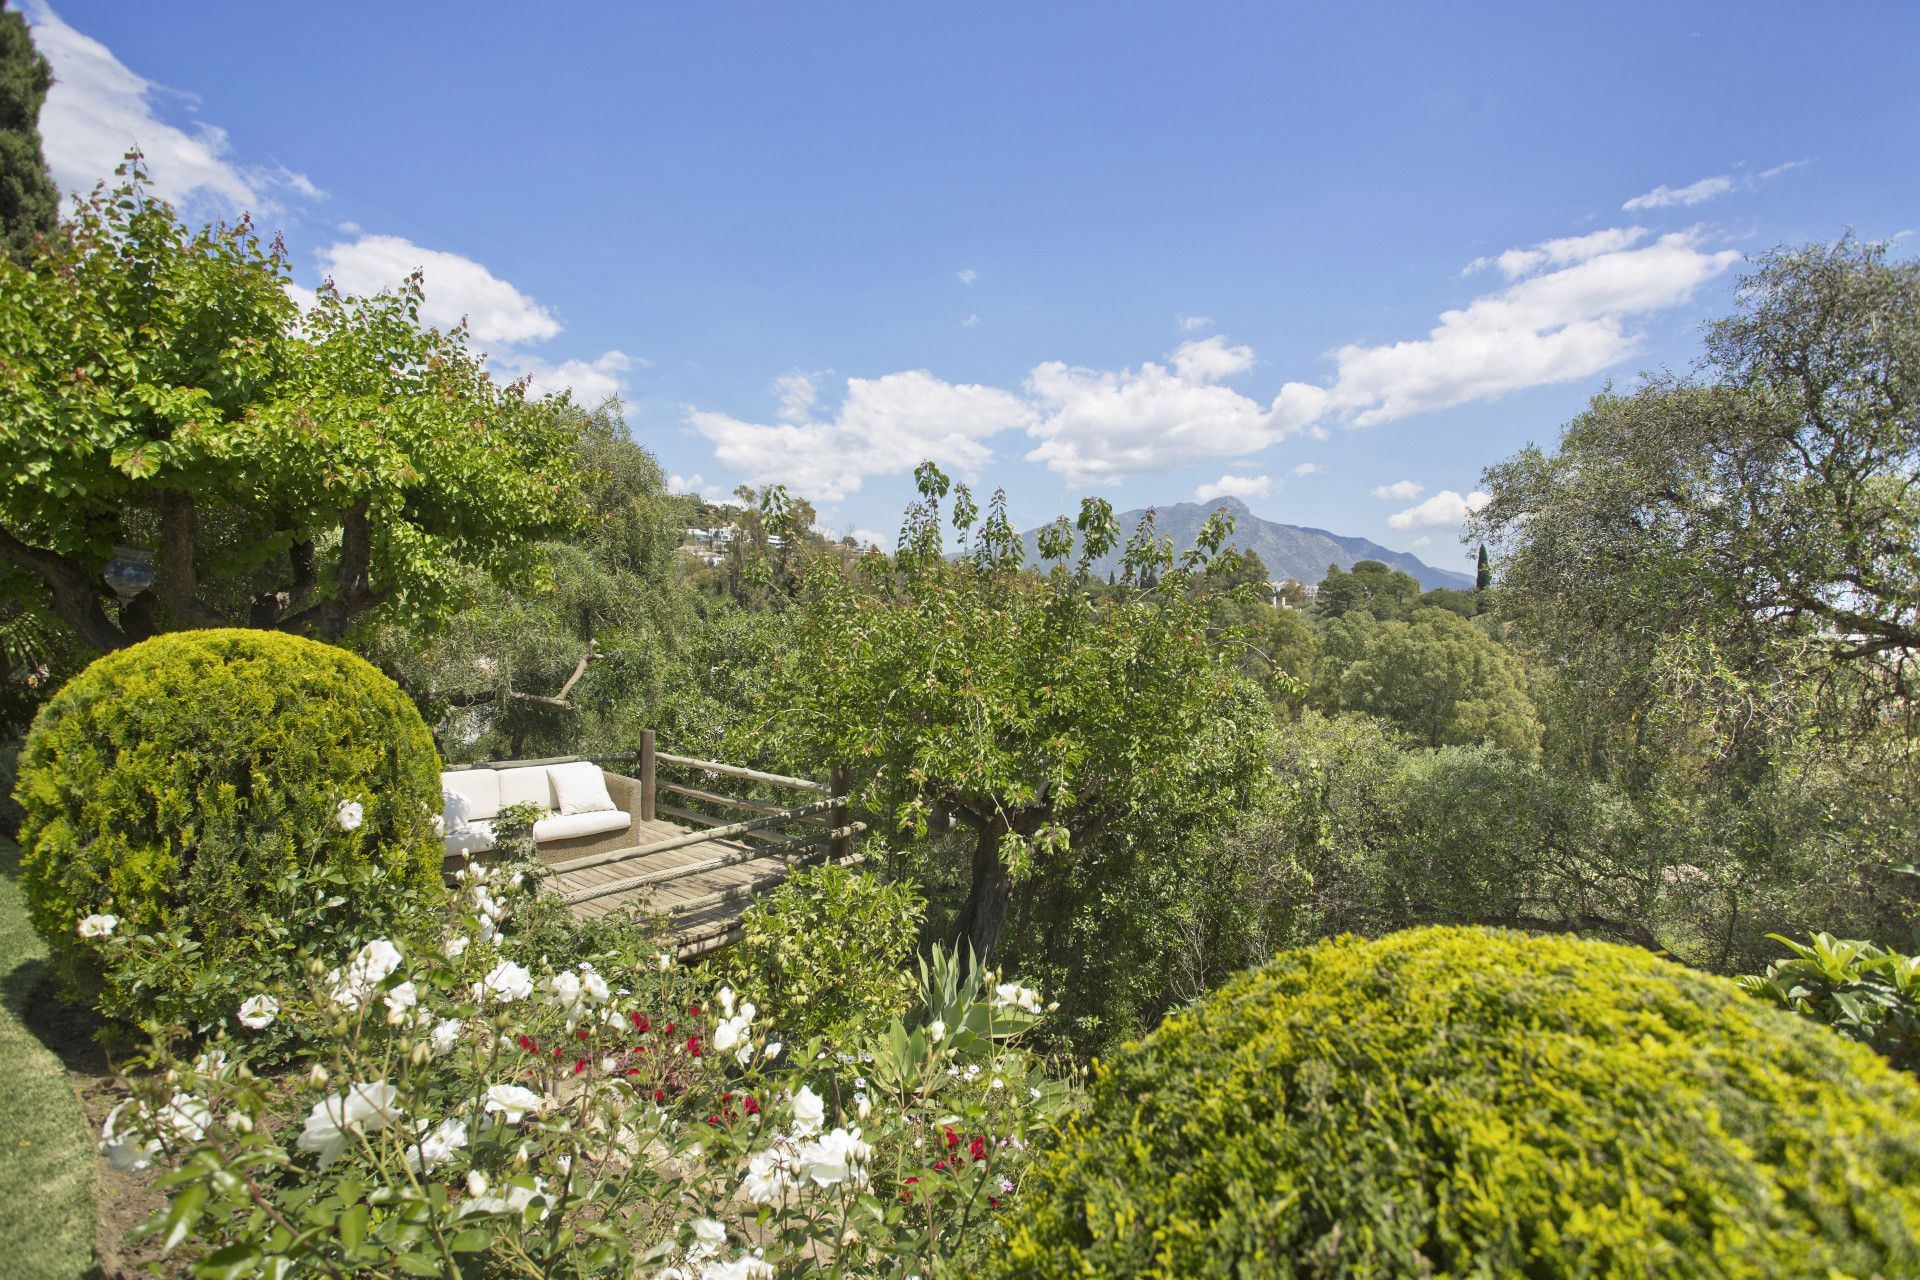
(1865,992)
(29,202)
(1369,587)
(1034,715)
(198,786)
(462,1113)
(297,471)
(1439,677)
(825,954)
(1459,1102)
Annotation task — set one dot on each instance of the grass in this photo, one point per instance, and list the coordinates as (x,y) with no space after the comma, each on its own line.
(46,1150)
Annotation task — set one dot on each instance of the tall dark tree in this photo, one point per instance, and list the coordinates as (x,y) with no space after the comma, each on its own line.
(1483,573)
(29,202)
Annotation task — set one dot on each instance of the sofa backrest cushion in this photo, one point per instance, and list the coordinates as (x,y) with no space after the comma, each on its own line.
(524,786)
(580,788)
(481,787)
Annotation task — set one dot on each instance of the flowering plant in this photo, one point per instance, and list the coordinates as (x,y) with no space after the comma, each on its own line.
(455,1107)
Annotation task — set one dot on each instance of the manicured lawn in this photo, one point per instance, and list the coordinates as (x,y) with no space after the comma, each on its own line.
(46,1150)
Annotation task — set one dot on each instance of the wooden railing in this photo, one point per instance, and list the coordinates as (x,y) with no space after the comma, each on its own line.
(829,812)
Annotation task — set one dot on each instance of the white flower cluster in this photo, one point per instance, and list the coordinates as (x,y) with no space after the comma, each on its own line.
(731,1035)
(131,1144)
(573,993)
(1013,995)
(98,926)
(806,1155)
(350,815)
(372,965)
(336,1119)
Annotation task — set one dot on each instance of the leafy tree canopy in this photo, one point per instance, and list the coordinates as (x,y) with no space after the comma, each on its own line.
(1040,717)
(29,202)
(1438,676)
(1370,587)
(1766,507)
(293,471)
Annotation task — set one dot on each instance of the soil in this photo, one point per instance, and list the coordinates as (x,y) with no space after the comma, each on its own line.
(126,1199)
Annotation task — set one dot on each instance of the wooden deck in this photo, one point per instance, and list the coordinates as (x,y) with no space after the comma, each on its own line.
(702,887)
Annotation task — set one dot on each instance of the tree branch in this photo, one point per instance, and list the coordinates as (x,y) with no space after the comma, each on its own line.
(76,597)
(353,592)
(557,701)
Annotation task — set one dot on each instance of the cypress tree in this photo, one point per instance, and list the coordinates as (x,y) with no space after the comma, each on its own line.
(1483,577)
(29,202)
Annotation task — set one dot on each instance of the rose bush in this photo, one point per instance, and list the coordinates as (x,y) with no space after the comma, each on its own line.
(457,1107)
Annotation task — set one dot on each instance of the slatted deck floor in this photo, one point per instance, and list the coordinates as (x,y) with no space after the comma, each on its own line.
(702,888)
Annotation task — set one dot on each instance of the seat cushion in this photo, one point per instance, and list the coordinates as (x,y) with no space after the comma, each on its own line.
(579,787)
(455,810)
(524,786)
(481,787)
(569,826)
(475,837)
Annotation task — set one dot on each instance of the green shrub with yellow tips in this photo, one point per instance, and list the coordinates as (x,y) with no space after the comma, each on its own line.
(1474,1103)
(185,785)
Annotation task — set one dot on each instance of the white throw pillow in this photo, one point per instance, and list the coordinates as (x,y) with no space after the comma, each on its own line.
(580,788)
(454,811)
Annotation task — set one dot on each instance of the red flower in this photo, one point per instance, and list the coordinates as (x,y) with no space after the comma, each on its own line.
(526,1042)
(667,1030)
(693,1011)
(640,1023)
(940,1165)
(659,1095)
(579,1066)
(581,1034)
(753,1107)
(993,1202)
(953,1139)
(977,1148)
(693,1045)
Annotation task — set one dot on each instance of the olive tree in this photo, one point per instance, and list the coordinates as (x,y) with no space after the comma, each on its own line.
(1039,715)
(286,469)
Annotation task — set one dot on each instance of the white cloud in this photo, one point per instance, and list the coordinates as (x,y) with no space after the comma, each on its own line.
(591,381)
(1099,425)
(797,392)
(1404,490)
(1443,508)
(1234,487)
(868,538)
(98,109)
(1306,469)
(1515,263)
(967,275)
(1665,197)
(884,426)
(456,287)
(1556,327)
(970,322)
(1190,323)
(1422,540)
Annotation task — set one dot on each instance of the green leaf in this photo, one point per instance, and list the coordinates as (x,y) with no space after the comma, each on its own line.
(234,1260)
(182,1214)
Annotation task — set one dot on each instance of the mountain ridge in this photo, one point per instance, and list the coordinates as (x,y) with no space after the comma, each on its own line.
(1288,550)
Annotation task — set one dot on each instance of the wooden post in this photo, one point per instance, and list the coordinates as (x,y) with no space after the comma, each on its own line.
(839,780)
(646,775)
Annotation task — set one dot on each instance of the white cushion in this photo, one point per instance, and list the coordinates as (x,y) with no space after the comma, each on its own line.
(524,786)
(475,837)
(579,788)
(569,826)
(455,810)
(481,787)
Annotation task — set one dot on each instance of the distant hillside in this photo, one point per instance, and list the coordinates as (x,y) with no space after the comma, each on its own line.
(1288,550)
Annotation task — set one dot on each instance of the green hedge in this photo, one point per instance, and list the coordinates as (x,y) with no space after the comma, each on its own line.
(1460,1102)
(178,782)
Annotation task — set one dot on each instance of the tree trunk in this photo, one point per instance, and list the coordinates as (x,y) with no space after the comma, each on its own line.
(985,912)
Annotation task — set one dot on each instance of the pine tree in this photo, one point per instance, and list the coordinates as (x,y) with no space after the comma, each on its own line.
(29,202)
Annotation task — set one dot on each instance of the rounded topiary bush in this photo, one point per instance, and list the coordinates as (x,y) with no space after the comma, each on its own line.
(183,784)
(1462,1102)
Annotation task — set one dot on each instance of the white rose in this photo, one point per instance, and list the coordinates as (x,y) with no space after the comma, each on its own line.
(98,926)
(350,815)
(257,1012)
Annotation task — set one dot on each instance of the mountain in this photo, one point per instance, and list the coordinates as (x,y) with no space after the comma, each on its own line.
(1288,550)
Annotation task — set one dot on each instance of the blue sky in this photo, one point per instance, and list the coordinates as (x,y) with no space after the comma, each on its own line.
(1333,262)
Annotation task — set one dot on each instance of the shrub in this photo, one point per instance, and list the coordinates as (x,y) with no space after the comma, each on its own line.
(1865,992)
(456,1112)
(1459,1102)
(828,950)
(186,786)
